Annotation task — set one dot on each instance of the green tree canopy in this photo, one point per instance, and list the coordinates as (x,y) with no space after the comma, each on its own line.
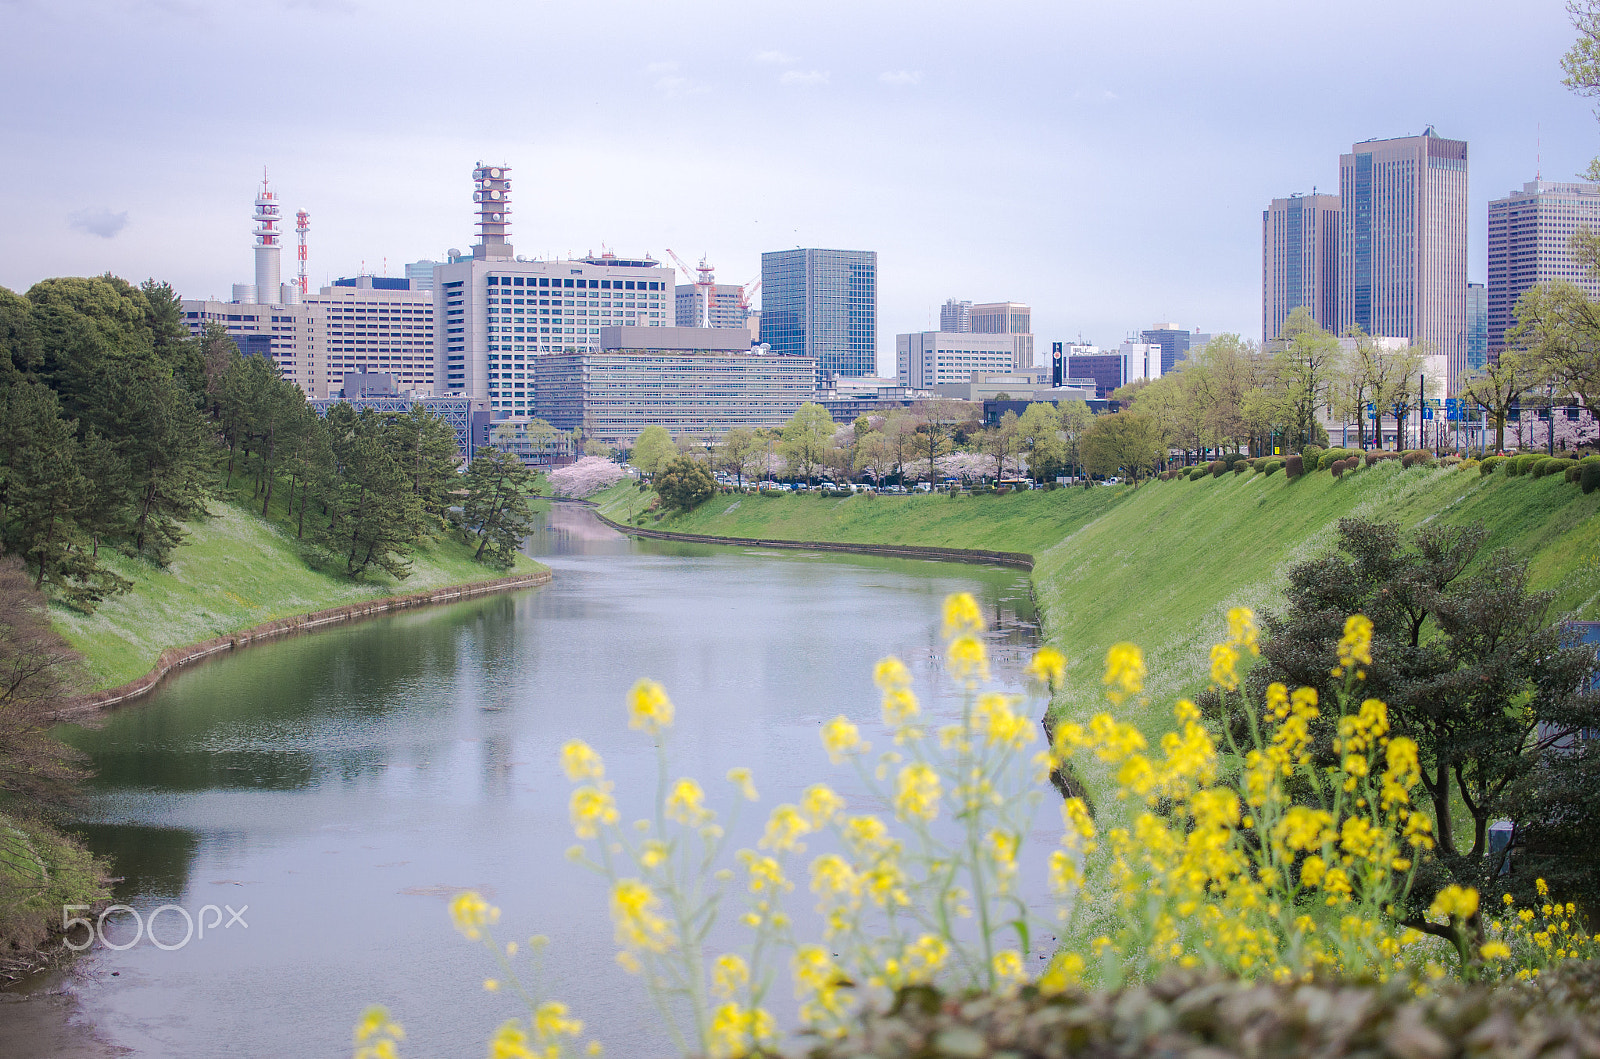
(652,449)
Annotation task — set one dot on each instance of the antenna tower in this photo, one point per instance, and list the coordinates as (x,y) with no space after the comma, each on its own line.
(302,225)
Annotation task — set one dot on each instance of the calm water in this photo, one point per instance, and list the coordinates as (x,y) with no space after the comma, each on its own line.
(344,784)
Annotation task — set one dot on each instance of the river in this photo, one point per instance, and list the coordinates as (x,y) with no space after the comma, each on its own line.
(333,790)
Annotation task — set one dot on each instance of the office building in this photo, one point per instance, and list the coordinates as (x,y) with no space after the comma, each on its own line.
(1299,261)
(495,314)
(468,418)
(534,442)
(696,382)
(1529,233)
(1007,318)
(710,305)
(926,359)
(1110,371)
(1176,344)
(1477,326)
(955,317)
(1403,242)
(420,273)
(822,304)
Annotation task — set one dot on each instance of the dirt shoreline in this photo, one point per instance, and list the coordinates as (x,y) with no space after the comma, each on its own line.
(174,657)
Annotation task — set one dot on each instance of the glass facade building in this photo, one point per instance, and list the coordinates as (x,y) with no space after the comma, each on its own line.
(1403,242)
(1299,261)
(1477,325)
(1529,233)
(822,304)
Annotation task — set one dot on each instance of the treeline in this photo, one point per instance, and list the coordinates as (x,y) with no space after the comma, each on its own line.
(117,426)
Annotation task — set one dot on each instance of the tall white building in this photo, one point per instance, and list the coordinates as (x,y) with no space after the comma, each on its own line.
(726,308)
(925,359)
(493,313)
(1006,318)
(955,317)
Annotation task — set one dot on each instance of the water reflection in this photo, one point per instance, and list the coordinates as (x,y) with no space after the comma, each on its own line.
(344,784)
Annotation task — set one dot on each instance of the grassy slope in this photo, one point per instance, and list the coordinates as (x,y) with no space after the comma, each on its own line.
(1161,565)
(236,570)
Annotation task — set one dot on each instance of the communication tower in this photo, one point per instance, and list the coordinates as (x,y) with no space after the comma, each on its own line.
(301,227)
(268,244)
(492,193)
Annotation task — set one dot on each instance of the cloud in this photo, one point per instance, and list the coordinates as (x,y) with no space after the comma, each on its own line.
(661,68)
(98,220)
(901,77)
(807,77)
(776,58)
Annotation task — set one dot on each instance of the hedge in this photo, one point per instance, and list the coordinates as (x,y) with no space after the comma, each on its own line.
(1269,466)
(1551,465)
(1378,455)
(1312,454)
(1216,467)
(1326,461)
(1590,479)
(1190,1016)
(1240,466)
(1294,466)
(1233,459)
(1489,463)
(1416,458)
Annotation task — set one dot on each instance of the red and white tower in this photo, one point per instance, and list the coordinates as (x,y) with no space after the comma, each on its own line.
(492,193)
(268,245)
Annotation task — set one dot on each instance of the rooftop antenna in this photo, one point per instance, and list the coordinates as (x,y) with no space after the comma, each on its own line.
(302,226)
(1538,151)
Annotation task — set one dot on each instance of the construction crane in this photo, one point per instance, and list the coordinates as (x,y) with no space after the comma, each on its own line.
(747,292)
(705,283)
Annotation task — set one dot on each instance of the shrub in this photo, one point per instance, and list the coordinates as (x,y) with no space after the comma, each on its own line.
(1198,471)
(1294,466)
(1416,458)
(1590,479)
(1233,459)
(1489,463)
(1312,454)
(1550,465)
(1341,466)
(1216,467)
(1269,467)
(1326,461)
(1467,464)
(1240,466)
(1372,457)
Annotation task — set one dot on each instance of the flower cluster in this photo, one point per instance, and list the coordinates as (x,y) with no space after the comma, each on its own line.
(1524,941)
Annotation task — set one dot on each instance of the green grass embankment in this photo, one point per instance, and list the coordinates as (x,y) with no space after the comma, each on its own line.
(236,570)
(1161,565)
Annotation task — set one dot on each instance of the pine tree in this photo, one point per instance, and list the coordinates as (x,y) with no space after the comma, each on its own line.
(495,510)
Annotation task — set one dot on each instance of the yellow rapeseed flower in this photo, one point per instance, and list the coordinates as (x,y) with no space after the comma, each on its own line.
(841,739)
(639,925)
(1007,968)
(1125,672)
(740,777)
(917,792)
(730,1031)
(590,807)
(686,804)
(961,616)
(1355,646)
(1242,631)
(1495,950)
(785,827)
(550,1022)
(377,1036)
(820,804)
(1065,970)
(766,874)
(580,761)
(1048,667)
(648,707)
(729,975)
(1457,902)
(471,913)
(967,660)
(510,1041)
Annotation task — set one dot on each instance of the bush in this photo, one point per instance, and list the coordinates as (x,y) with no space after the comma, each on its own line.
(1416,458)
(1590,479)
(1339,467)
(1240,466)
(1233,459)
(1450,461)
(1326,461)
(1312,455)
(1467,464)
(1269,467)
(1216,467)
(1550,465)
(1294,466)
(1489,463)
(1198,471)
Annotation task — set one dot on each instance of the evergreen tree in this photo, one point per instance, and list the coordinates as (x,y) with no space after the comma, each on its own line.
(685,483)
(374,515)
(495,509)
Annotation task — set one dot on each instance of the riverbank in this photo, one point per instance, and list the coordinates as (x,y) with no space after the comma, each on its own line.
(1161,565)
(236,578)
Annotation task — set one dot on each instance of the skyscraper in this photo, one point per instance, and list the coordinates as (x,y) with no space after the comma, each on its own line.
(1528,235)
(822,304)
(1477,325)
(1007,318)
(955,317)
(1299,261)
(1403,242)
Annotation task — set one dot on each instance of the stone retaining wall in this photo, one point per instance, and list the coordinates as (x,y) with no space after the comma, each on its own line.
(173,657)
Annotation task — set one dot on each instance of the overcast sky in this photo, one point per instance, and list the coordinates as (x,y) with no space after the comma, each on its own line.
(1105,162)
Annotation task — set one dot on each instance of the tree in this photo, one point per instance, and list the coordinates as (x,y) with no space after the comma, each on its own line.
(375,517)
(652,449)
(163,446)
(1581,63)
(1122,441)
(1499,384)
(1470,664)
(1039,436)
(738,445)
(875,454)
(495,509)
(588,475)
(807,437)
(425,445)
(1001,443)
(684,483)
(938,421)
(37,668)
(1560,326)
(1306,365)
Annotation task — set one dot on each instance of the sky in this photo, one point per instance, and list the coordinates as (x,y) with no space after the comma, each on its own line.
(1107,163)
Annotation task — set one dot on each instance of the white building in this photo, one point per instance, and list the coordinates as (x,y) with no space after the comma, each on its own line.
(726,308)
(1006,318)
(494,313)
(926,359)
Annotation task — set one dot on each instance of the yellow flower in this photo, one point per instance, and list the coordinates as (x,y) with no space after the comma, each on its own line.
(740,777)
(471,913)
(1048,667)
(729,975)
(550,1021)
(1356,644)
(820,804)
(867,836)
(832,876)
(961,616)
(785,827)
(1065,970)
(377,1037)
(1125,672)
(648,707)
(591,806)
(1495,950)
(1457,902)
(1007,967)
(633,911)
(1242,629)
(581,762)
(686,804)
(491,985)
(510,1042)
(1000,725)
(730,1036)
(766,874)
(1224,660)
(899,704)
(967,659)
(841,738)
(917,792)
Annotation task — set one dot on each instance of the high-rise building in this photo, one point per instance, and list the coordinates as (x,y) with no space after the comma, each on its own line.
(822,304)
(955,317)
(1477,325)
(710,305)
(925,359)
(420,273)
(1403,242)
(1299,261)
(1528,235)
(1176,343)
(1007,318)
(1132,361)
(495,313)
